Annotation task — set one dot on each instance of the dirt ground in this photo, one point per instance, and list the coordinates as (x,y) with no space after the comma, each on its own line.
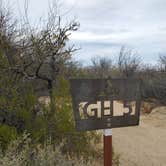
(144,145)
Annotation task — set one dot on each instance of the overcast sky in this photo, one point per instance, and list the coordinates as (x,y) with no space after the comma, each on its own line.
(106,25)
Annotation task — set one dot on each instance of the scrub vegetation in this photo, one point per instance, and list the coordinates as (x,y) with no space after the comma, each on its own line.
(37,62)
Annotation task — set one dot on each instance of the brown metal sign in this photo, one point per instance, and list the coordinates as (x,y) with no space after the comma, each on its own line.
(105,103)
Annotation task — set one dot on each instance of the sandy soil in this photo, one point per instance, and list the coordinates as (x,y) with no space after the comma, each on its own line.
(144,145)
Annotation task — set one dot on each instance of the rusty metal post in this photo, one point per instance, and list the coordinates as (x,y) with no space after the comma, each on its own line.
(108,147)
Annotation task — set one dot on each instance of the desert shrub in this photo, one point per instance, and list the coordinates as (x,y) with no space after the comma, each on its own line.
(116,159)
(21,152)
(22,112)
(7,134)
(18,111)
(63,127)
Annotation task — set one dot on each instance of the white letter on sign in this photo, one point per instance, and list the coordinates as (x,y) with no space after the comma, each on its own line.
(92,108)
(119,108)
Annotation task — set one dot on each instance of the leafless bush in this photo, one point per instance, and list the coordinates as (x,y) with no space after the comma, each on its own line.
(153,84)
(128,62)
(20,152)
(162,62)
(36,53)
(101,67)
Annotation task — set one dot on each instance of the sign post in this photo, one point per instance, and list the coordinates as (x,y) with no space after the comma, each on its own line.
(105,104)
(108,147)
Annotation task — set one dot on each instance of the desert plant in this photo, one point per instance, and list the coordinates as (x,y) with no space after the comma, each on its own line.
(128,63)
(21,152)
(63,127)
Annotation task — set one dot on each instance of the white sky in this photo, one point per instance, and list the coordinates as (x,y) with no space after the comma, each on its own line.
(106,25)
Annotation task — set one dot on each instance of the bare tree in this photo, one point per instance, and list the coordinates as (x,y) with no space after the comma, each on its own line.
(8,33)
(37,53)
(101,67)
(128,62)
(162,62)
(42,55)
(46,50)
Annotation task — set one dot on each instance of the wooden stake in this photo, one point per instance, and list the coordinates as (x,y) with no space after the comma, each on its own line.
(108,147)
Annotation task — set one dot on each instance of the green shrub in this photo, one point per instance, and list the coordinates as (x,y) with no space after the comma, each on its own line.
(25,114)
(7,134)
(63,127)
